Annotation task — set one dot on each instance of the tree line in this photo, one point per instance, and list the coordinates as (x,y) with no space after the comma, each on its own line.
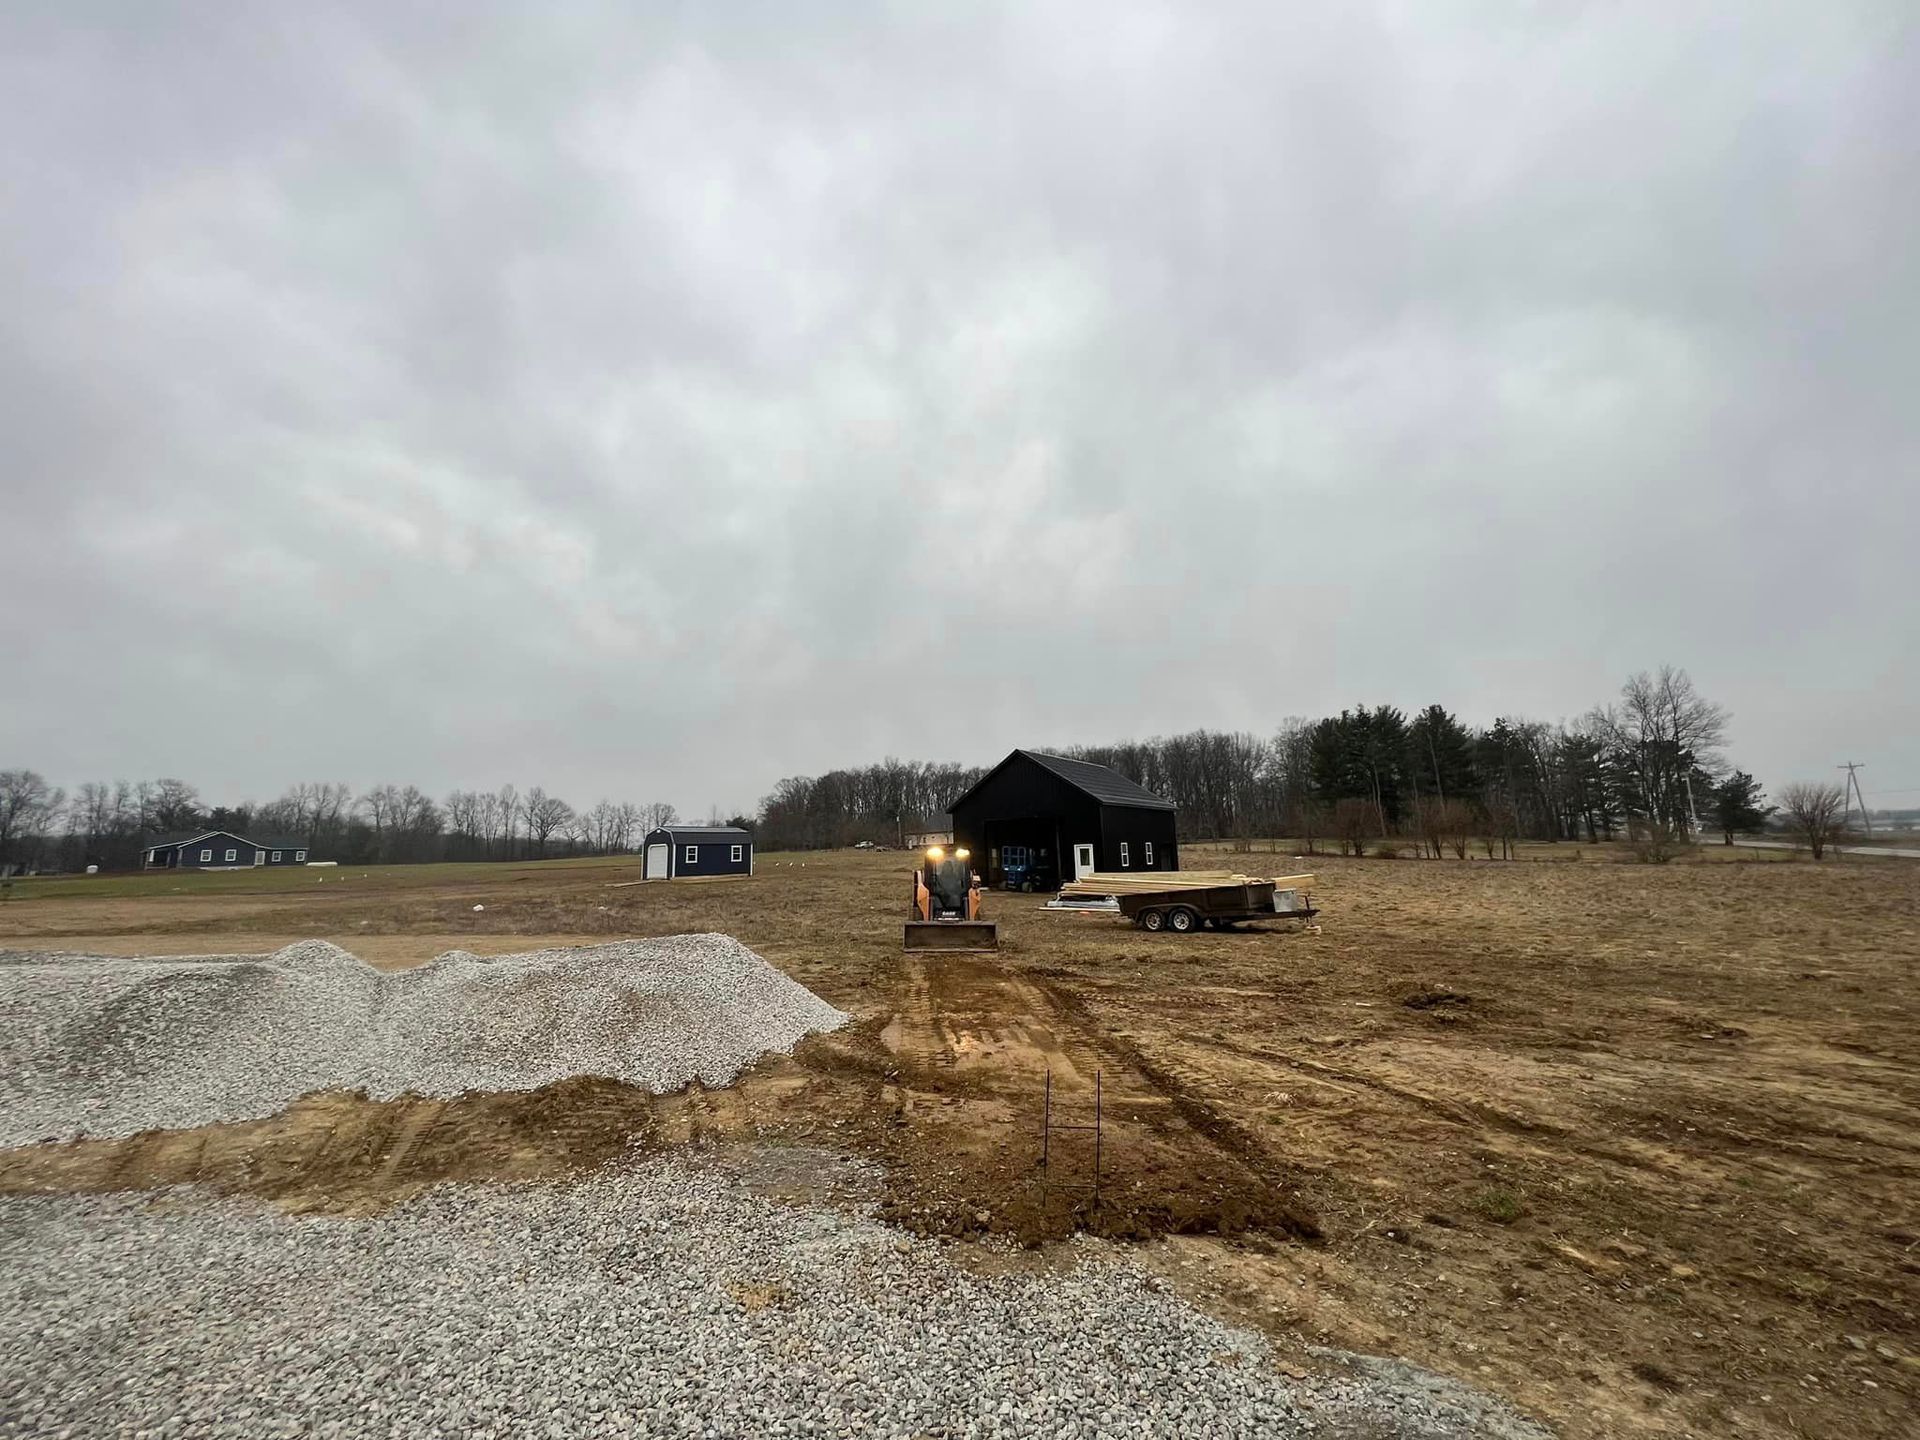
(1649,766)
(110,824)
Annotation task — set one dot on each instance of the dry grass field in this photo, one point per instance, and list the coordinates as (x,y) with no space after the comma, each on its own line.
(1635,1146)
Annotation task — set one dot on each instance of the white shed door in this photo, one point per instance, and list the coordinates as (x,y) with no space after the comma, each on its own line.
(1082,860)
(657,860)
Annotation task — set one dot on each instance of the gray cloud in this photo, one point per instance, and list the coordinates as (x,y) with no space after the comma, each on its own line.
(657,404)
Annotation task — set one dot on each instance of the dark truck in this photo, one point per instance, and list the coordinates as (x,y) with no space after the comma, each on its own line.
(1184,901)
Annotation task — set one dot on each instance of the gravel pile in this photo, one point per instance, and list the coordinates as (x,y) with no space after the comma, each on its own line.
(103,1046)
(658,1300)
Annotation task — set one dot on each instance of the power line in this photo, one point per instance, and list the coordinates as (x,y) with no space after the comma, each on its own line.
(1853,790)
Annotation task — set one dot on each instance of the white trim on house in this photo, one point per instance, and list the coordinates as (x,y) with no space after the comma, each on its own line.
(299,857)
(233,854)
(193,840)
(691,855)
(738,855)
(206,857)
(1148,861)
(1124,863)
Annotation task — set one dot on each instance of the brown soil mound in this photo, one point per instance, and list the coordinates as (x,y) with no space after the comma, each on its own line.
(949,1091)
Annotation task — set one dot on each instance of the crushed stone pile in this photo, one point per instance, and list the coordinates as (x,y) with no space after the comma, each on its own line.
(656,1300)
(104,1046)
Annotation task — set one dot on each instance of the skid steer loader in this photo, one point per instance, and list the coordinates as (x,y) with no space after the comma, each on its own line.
(945,913)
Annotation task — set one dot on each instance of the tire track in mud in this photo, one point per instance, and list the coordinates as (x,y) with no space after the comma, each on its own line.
(1471,1116)
(1201,1115)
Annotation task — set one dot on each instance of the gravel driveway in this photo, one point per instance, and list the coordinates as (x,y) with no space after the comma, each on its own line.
(652,1298)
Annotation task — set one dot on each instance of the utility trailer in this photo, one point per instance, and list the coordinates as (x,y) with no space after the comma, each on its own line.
(1184,901)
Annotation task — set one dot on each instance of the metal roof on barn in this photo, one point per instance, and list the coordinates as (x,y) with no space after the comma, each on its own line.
(698,833)
(1102,782)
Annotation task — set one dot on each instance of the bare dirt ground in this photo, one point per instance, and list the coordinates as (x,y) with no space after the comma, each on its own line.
(1635,1146)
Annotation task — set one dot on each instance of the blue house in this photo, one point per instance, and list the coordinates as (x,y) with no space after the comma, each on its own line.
(219,850)
(681,852)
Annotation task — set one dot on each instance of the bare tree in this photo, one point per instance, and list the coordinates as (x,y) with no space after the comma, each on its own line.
(545,814)
(626,822)
(416,826)
(174,805)
(462,810)
(659,813)
(486,824)
(27,807)
(1662,734)
(509,801)
(91,817)
(1814,813)
(1453,820)
(1353,822)
(380,806)
(1310,823)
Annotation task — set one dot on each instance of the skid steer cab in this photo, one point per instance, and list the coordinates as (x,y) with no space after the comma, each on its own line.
(945,913)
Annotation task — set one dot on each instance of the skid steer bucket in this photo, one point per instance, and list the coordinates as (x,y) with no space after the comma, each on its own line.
(953,937)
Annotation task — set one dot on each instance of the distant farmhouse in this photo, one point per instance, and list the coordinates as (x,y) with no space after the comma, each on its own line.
(219,850)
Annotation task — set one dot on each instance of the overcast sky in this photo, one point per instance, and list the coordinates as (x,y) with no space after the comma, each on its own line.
(652,402)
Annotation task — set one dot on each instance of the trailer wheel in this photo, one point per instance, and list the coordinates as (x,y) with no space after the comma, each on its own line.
(1152,919)
(1183,920)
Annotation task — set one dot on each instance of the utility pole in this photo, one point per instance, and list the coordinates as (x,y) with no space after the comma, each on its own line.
(1852,791)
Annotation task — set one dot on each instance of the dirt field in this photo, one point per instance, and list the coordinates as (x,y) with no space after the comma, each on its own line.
(1635,1146)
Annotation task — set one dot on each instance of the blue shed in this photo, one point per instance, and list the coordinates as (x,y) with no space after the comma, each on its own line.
(680,852)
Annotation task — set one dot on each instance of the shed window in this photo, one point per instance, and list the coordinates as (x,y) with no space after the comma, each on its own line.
(232,855)
(1147,849)
(736,854)
(1124,862)
(206,857)
(276,856)
(693,855)
(299,856)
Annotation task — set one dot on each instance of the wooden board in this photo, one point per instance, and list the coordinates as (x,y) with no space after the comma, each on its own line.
(1150,881)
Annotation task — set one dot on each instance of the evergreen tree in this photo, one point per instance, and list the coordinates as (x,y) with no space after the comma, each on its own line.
(1739,805)
(1439,759)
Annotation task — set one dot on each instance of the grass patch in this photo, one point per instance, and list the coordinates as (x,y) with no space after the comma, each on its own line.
(1498,1204)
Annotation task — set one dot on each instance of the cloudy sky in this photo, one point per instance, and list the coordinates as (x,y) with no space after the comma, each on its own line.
(656,401)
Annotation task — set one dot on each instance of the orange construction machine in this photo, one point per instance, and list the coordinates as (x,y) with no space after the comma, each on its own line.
(945,914)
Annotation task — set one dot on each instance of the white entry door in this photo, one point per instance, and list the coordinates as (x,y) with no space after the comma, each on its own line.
(259,857)
(1082,860)
(657,856)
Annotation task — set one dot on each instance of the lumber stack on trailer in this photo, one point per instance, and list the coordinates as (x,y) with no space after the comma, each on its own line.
(1160,881)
